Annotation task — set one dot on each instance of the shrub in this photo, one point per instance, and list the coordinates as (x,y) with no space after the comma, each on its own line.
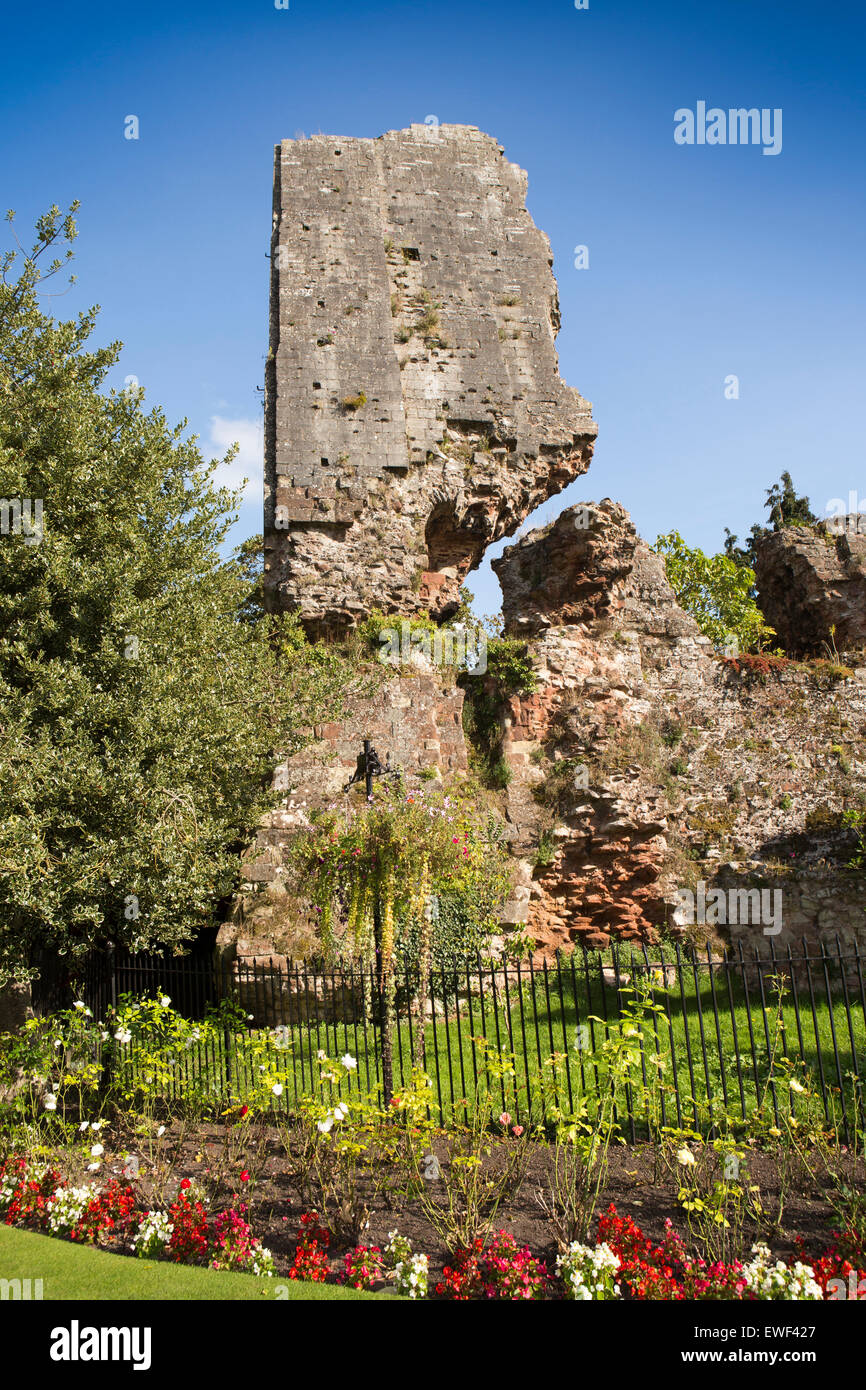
(233,1246)
(545,851)
(153,1234)
(410,1271)
(766,1278)
(26,1189)
(311,1258)
(190,1237)
(511,1271)
(510,666)
(589,1273)
(716,591)
(128,783)
(461,926)
(362,1267)
(461,1279)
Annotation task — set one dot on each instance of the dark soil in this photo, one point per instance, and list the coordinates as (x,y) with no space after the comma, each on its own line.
(275,1204)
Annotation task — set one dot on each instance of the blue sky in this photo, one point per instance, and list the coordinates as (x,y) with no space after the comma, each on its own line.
(703,261)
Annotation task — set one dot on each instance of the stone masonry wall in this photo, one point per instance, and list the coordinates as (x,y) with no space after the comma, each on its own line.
(651,763)
(414,411)
(812,586)
(414,414)
(416,721)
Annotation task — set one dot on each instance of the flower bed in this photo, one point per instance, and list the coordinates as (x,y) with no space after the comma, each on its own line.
(126,1172)
(624,1263)
(37,1198)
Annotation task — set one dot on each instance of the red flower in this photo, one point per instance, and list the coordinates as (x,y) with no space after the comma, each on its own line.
(245,1177)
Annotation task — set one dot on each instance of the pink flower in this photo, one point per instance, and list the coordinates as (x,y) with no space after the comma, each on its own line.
(505,1119)
(517,1130)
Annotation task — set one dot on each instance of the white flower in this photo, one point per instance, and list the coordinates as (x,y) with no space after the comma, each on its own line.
(795,1086)
(277,1089)
(410,1275)
(588,1272)
(160,1131)
(341,1110)
(85,1124)
(779,1281)
(58,1042)
(321,1054)
(123,1035)
(325,1126)
(349,1062)
(98,1124)
(686,1158)
(79,1005)
(93,1167)
(49,1102)
(97,1151)
(65,1207)
(164,1000)
(154,1233)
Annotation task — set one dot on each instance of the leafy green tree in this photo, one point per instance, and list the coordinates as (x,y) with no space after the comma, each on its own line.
(143,694)
(785,509)
(717,592)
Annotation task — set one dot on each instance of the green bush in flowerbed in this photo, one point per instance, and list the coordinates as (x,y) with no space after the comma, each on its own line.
(144,1058)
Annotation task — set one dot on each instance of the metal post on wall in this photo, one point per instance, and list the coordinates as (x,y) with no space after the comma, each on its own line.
(367,767)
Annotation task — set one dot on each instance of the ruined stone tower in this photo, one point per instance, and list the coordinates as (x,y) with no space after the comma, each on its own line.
(414,410)
(414,414)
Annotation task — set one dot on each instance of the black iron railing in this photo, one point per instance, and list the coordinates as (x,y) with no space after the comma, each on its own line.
(763,1031)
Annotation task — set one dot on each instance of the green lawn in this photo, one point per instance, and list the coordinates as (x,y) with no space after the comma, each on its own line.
(710,1040)
(713,1038)
(72,1272)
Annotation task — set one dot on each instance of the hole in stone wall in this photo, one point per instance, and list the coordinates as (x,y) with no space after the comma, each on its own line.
(450,545)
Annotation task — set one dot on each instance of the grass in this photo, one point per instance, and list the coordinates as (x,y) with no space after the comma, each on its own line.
(709,1041)
(77,1272)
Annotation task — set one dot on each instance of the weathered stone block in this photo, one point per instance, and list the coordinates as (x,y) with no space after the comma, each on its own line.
(413,319)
